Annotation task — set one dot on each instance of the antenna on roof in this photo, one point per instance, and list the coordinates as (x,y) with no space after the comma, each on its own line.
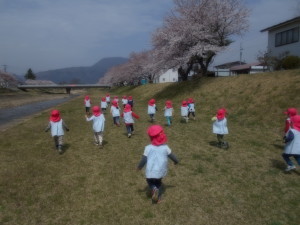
(241,53)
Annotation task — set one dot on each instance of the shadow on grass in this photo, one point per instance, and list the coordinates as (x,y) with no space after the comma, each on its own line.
(278,164)
(278,146)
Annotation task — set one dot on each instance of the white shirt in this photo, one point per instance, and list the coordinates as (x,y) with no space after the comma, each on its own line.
(168,111)
(220,126)
(115,111)
(103,105)
(184,111)
(98,122)
(124,101)
(191,107)
(293,147)
(87,103)
(151,109)
(157,160)
(57,128)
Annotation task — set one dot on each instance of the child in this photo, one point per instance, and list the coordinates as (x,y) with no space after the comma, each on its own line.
(98,125)
(87,104)
(152,109)
(191,108)
(115,111)
(184,111)
(103,104)
(57,126)
(292,147)
(220,127)
(128,119)
(156,157)
(124,101)
(290,112)
(130,101)
(169,112)
(107,97)
(116,98)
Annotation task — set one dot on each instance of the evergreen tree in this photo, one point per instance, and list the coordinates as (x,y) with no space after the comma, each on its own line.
(30,75)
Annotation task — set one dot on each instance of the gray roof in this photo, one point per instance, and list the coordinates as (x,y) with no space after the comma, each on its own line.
(296,19)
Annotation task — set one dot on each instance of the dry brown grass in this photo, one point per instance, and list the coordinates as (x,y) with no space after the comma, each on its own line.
(244,185)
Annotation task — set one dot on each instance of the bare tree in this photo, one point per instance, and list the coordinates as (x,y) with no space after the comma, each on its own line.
(195,31)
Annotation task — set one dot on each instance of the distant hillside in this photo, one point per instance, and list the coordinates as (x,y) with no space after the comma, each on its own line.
(81,74)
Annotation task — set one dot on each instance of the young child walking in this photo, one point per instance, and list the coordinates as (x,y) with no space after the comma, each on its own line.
(87,104)
(155,158)
(168,112)
(124,101)
(103,104)
(184,111)
(107,97)
(191,108)
(152,109)
(57,126)
(115,112)
(98,125)
(292,146)
(220,127)
(130,101)
(128,116)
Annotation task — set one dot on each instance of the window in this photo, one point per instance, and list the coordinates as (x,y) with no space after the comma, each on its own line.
(287,37)
(164,79)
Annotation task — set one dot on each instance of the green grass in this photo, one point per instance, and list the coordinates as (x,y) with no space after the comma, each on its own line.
(243,185)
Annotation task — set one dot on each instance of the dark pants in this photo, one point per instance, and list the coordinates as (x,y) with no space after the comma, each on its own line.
(286,158)
(87,109)
(129,128)
(116,120)
(153,182)
(193,113)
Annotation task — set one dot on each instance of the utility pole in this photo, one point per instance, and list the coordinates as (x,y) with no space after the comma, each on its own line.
(241,53)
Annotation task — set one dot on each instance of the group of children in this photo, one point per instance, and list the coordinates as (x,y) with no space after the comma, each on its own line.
(156,154)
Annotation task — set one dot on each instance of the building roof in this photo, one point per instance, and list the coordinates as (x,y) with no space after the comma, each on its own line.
(229,65)
(245,66)
(296,19)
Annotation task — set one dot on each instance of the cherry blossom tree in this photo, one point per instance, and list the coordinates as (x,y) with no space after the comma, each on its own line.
(195,31)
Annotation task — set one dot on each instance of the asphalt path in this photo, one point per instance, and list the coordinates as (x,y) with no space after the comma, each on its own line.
(10,115)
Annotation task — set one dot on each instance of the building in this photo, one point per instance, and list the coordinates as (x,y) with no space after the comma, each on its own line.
(250,68)
(284,37)
(170,75)
(223,70)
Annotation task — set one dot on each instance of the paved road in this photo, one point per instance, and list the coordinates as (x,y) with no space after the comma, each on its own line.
(12,114)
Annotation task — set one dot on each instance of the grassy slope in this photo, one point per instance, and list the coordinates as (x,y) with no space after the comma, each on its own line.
(244,185)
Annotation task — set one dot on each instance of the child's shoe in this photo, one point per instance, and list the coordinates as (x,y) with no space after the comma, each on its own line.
(289,168)
(155,195)
(129,135)
(60,151)
(101,145)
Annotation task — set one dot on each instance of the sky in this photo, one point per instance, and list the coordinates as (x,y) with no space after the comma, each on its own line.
(53,34)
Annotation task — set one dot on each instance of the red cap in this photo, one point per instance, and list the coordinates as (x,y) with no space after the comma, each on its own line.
(184,103)
(190,100)
(157,135)
(221,114)
(114,103)
(296,122)
(55,116)
(103,99)
(151,102)
(130,98)
(96,111)
(168,104)
(107,94)
(127,108)
(86,97)
(291,112)
(124,97)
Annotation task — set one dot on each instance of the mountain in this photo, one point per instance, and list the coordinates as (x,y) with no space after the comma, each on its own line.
(84,75)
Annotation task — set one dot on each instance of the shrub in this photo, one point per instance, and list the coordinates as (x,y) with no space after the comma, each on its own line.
(291,62)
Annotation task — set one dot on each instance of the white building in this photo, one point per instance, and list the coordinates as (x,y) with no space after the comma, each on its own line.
(170,75)
(284,37)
